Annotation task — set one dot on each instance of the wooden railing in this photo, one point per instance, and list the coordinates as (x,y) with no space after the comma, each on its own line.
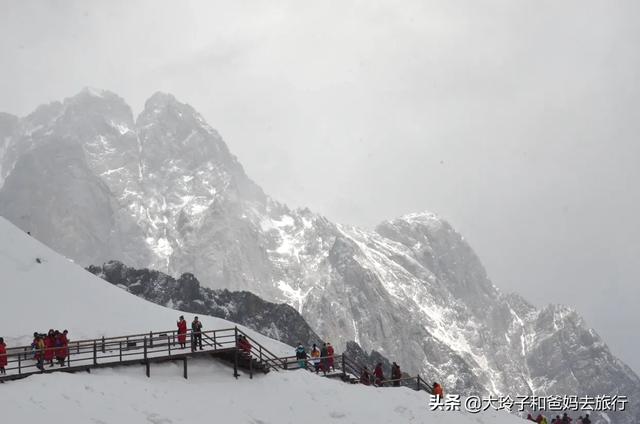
(145,348)
(351,370)
(158,346)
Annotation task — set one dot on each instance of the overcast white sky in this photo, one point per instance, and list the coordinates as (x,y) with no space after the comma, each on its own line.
(518,121)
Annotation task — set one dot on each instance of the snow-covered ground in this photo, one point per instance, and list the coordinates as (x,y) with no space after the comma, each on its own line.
(58,294)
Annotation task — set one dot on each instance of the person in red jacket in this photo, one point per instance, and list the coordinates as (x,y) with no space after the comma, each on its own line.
(378,374)
(62,347)
(437,390)
(49,345)
(182,332)
(3,356)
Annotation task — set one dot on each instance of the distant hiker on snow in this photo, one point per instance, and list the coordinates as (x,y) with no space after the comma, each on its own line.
(301,356)
(182,332)
(3,356)
(378,374)
(196,331)
(396,374)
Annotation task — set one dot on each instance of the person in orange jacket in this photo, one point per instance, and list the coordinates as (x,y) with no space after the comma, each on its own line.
(437,390)
(330,353)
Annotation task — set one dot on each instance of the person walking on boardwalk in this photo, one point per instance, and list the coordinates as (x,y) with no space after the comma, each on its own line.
(50,347)
(396,374)
(196,331)
(315,358)
(301,356)
(3,356)
(437,390)
(182,332)
(324,358)
(379,375)
(365,377)
(330,354)
(62,347)
(38,348)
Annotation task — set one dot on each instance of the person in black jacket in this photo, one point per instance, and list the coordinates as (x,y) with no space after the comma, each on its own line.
(196,330)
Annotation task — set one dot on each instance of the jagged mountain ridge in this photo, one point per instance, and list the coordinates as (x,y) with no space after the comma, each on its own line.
(278,321)
(164,192)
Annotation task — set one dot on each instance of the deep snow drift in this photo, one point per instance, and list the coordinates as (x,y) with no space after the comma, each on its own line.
(56,293)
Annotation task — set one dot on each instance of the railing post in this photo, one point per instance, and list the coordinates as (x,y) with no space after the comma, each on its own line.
(418,383)
(250,367)
(103,347)
(169,346)
(150,338)
(95,353)
(344,370)
(146,360)
(235,356)
(19,364)
(120,350)
(215,345)
(185,367)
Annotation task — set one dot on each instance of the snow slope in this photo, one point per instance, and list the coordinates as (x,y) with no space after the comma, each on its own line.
(57,293)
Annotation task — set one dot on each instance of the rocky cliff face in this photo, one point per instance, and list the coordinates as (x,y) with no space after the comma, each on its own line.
(163,191)
(278,321)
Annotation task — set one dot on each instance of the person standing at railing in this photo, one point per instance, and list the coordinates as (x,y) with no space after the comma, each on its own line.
(315,358)
(396,374)
(330,360)
(301,356)
(38,347)
(324,361)
(62,347)
(378,374)
(50,347)
(196,332)
(182,332)
(3,356)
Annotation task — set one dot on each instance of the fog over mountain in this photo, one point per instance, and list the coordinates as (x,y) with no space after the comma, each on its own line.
(163,191)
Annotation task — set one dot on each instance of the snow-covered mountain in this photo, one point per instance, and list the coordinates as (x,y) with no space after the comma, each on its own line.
(54,292)
(163,191)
